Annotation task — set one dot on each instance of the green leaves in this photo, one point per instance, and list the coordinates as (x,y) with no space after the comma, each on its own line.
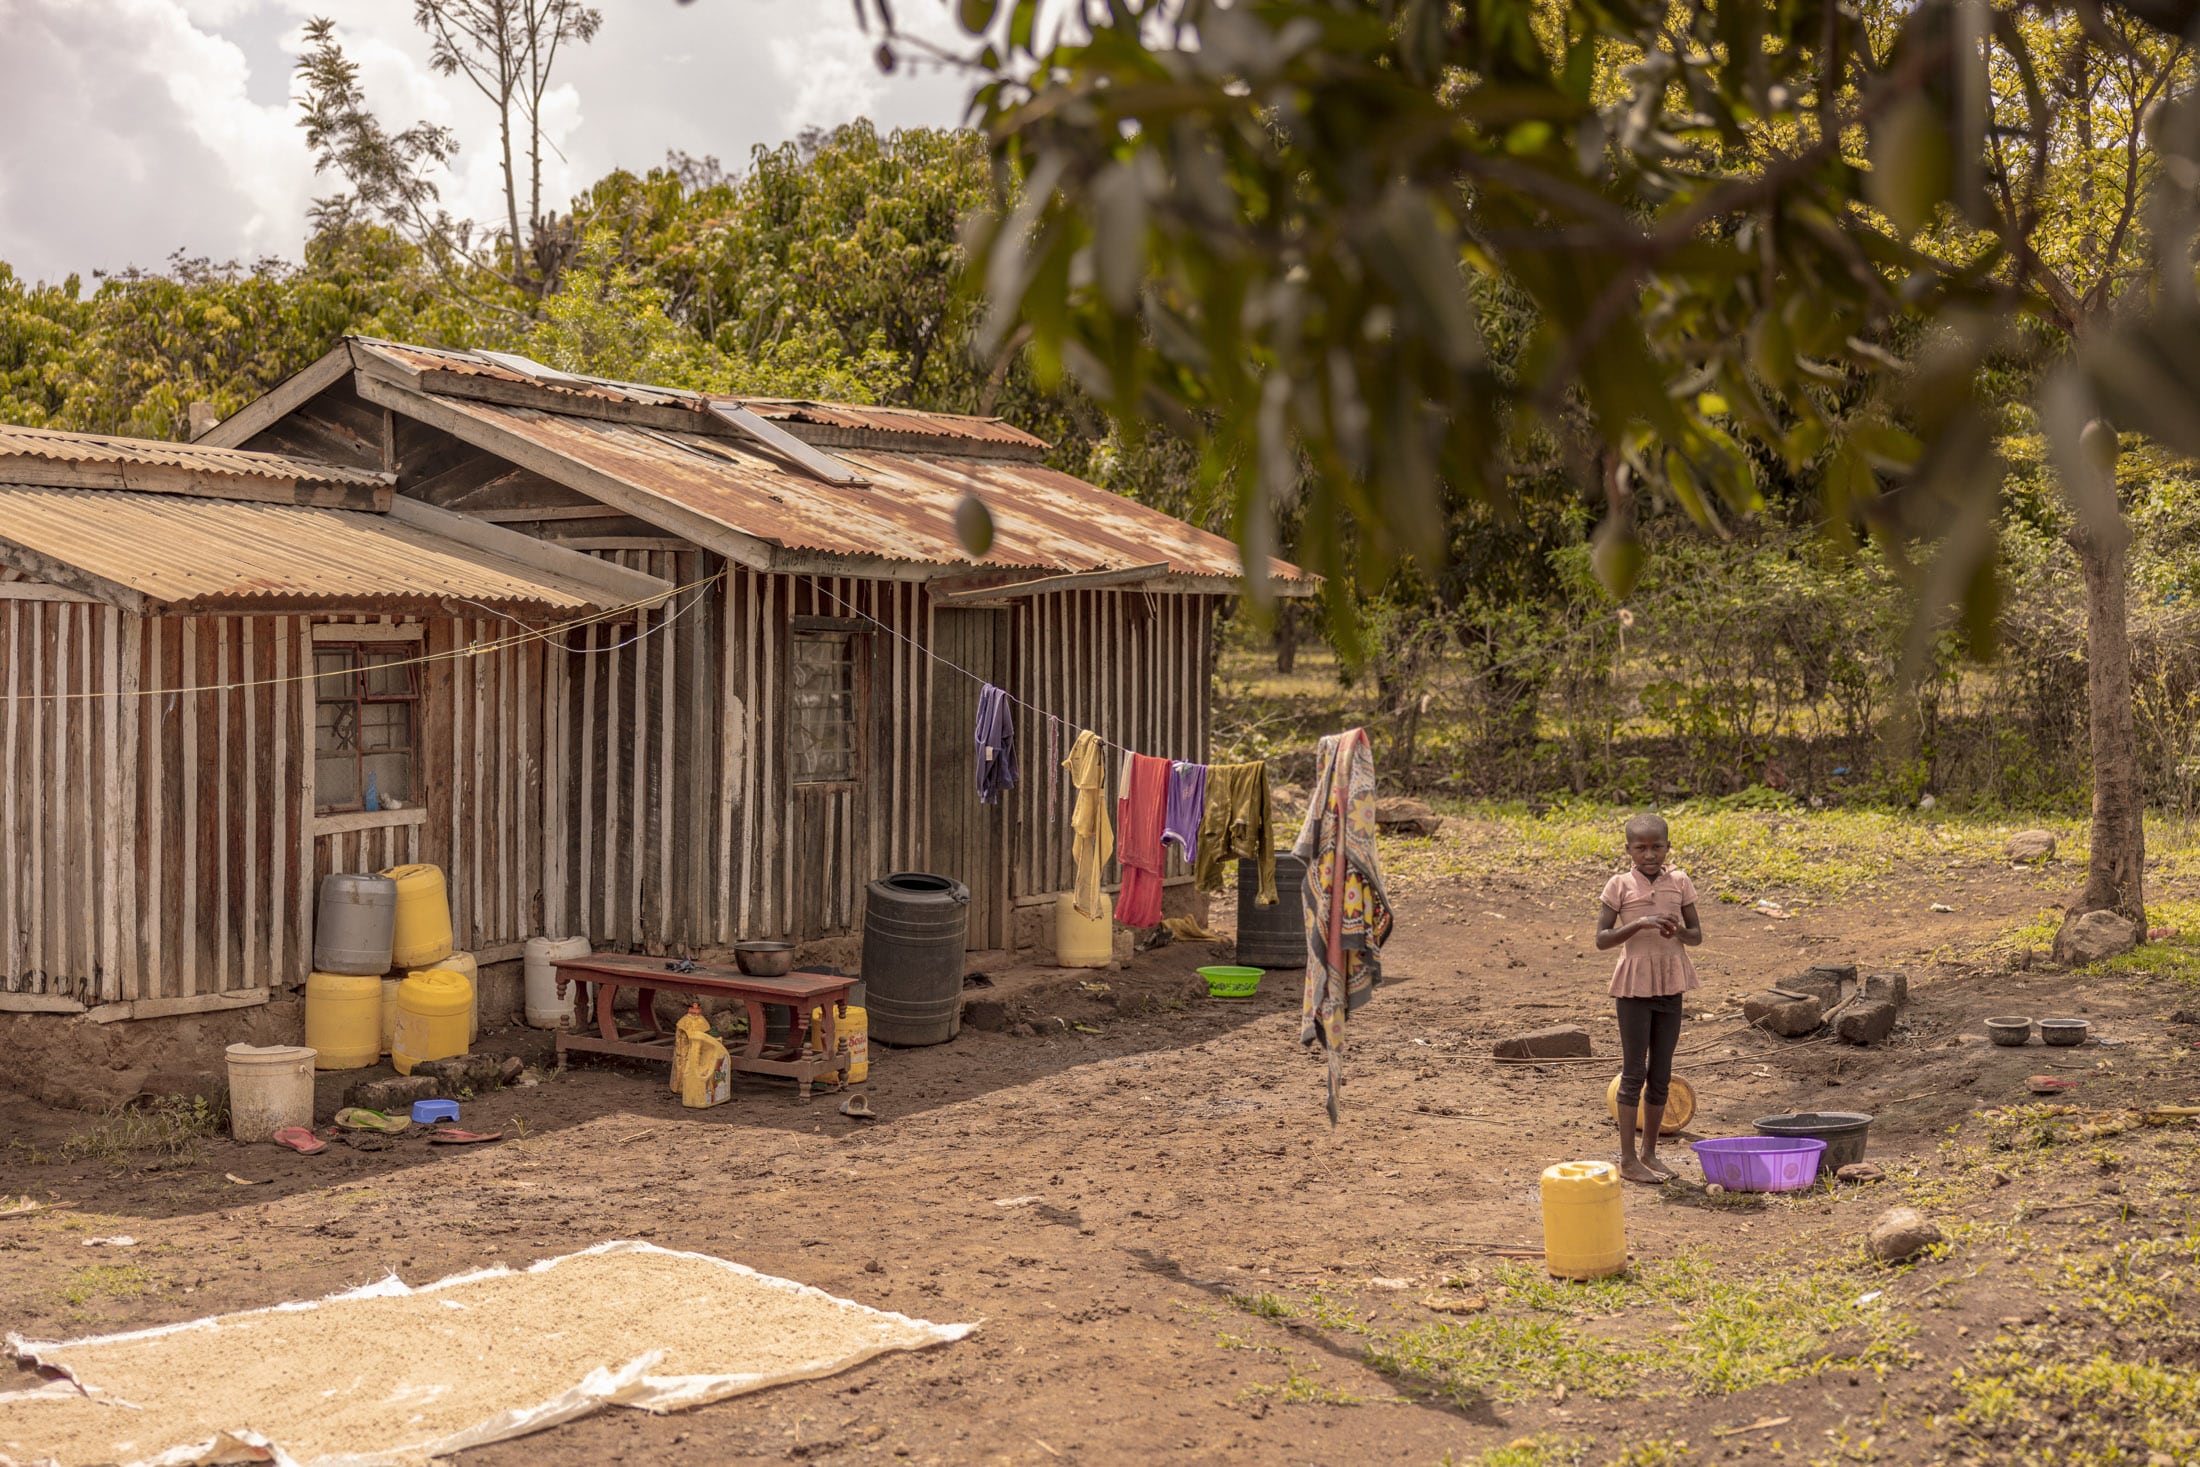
(1912,168)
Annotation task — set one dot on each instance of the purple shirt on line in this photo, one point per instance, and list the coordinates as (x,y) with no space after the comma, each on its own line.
(1187,807)
(996,736)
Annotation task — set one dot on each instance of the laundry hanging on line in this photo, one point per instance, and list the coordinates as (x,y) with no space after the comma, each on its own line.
(1091,839)
(1142,812)
(1346,908)
(1236,825)
(996,736)
(1187,807)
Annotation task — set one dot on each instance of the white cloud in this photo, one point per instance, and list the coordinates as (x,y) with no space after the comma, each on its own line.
(131,128)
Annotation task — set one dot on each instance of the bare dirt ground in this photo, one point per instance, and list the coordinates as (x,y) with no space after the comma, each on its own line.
(1176,1259)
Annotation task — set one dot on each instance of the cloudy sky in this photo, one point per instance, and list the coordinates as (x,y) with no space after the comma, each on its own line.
(133,128)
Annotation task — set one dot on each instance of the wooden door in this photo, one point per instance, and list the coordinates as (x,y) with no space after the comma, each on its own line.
(966,838)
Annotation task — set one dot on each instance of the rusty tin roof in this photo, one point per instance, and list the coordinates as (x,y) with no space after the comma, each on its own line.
(185,553)
(1043,519)
(100,448)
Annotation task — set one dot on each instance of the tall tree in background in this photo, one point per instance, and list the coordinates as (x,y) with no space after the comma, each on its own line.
(507,50)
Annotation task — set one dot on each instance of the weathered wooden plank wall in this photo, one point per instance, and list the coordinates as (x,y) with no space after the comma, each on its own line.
(1133,667)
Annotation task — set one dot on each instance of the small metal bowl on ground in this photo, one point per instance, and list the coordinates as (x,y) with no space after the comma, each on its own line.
(2009,1032)
(764,959)
(2063,1033)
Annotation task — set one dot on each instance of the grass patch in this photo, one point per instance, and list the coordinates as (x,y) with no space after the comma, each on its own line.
(2016,1409)
(1262,1306)
(1732,852)
(170,1126)
(1298,1388)
(1548,1450)
(108,1281)
(1680,1325)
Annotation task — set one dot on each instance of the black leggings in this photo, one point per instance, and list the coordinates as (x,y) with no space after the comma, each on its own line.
(1649,1032)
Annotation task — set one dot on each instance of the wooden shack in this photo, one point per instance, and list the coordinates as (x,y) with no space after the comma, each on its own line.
(206,658)
(796,718)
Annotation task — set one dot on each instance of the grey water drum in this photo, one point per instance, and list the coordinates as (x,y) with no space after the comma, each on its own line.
(354,923)
(915,929)
(1272,937)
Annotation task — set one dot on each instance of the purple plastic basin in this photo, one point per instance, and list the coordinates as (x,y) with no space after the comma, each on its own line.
(1760,1163)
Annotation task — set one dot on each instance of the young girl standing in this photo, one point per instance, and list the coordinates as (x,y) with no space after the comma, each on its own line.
(1649,910)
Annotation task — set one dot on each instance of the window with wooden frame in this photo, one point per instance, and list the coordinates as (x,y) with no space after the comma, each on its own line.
(366,712)
(825,707)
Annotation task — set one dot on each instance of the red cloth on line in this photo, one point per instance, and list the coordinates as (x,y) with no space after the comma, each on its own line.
(1141,814)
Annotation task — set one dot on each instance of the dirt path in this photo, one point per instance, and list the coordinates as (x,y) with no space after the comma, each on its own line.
(1101,1199)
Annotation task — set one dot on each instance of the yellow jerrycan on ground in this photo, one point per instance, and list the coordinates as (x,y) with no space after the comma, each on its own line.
(852,1032)
(421,934)
(701,1073)
(432,1006)
(1584,1235)
(343,1020)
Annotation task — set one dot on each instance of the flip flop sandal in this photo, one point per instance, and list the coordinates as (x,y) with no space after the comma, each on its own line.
(300,1140)
(2049,1084)
(358,1118)
(859,1106)
(453,1136)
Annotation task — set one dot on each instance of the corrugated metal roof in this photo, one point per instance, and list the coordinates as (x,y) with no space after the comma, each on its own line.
(846,416)
(185,553)
(1043,519)
(96,448)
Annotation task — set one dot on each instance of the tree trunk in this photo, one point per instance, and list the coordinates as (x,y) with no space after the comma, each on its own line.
(2115,870)
(1287,636)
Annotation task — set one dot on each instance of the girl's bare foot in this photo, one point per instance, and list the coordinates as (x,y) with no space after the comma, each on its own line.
(1631,1167)
(1665,1173)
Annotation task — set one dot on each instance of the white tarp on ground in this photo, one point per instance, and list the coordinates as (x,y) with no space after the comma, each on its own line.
(389,1375)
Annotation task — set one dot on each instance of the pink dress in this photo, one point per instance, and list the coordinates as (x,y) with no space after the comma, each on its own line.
(1651,965)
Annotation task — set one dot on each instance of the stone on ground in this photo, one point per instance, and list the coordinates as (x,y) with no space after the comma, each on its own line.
(1900,1234)
(1400,816)
(1891,986)
(986,1015)
(2027,846)
(462,1075)
(1790,1018)
(394,1095)
(1869,1021)
(1823,984)
(1839,972)
(2089,937)
(1560,1041)
(1860,1171)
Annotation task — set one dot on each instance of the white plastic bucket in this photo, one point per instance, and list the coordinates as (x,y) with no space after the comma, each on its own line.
(270,1087)
(545,1010)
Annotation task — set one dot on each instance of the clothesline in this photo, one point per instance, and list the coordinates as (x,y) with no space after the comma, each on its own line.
(983,682)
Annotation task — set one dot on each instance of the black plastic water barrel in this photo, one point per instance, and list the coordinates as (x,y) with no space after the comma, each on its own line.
(1272,937)
(915,927)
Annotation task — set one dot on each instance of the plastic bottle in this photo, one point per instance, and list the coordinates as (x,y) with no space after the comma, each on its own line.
(701,1073)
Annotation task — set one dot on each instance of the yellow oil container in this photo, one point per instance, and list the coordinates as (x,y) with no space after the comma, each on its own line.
(852,1032)
(390,982)
(422,935)
(1081,941)
(701,1074)
(1680,1106)
(1584,1236)
(464,966)
(343,1020)
(431,1018)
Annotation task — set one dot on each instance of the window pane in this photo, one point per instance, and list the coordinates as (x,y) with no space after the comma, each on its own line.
(336,782)
(385,726)
(329,663)
(822,701)
(392,775)
(389,674)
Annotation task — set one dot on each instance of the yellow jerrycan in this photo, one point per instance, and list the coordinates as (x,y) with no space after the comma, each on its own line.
(701,1074)
(343,1020)
(852,1032)
(421,935)
(431,1018)
(1584,1235)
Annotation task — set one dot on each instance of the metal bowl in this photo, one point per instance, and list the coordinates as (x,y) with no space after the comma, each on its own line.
(2010,1032)
(764,959)
(2062,1033)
